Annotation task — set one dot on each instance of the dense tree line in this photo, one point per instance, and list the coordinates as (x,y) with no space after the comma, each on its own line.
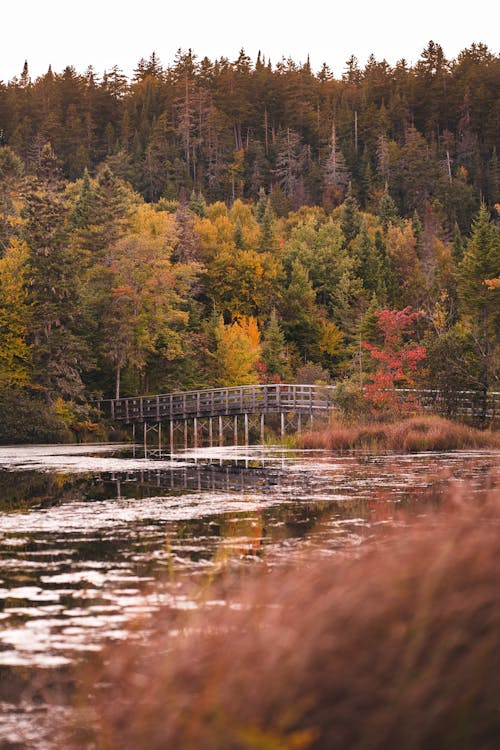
(217,223)
(227,129)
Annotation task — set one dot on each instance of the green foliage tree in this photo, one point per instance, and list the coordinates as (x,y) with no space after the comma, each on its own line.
(53,272)
(274,355)
(480,302)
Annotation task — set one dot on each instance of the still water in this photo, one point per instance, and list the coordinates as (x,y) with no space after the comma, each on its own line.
(92,538)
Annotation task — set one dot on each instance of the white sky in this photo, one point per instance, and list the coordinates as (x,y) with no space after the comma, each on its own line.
(103,33)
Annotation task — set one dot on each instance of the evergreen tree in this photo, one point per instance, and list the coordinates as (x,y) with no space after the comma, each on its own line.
(274,350)
(299,315)
(53,271)
(351,217)
(335,173)
(387,211)
(480,302)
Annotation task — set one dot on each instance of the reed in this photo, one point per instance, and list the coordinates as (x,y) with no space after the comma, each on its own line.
(425,433)
(397,648)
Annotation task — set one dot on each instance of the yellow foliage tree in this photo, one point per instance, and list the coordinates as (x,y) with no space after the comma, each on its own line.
(238,351)
(144,314)
(14,317)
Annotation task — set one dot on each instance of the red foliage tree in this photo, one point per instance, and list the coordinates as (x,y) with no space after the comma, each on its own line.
(397,360)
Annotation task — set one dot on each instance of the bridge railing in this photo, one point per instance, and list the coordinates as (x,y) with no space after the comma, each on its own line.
(275,398)
(245,399)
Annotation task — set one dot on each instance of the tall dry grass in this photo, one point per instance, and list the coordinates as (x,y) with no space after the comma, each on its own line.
(427,433)
(396,650)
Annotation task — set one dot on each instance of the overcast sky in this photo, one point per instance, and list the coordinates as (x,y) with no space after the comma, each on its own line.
(104,33)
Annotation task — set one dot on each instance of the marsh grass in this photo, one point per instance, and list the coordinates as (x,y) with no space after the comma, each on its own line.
(396,648)
(425,433)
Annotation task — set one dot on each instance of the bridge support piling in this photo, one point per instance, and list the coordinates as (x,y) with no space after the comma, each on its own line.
(235,431)
(299,423)
(133,439)
(195,433)
(210,432)
(246,430)
(159,439)
(145,439)
(282,425)
(262,429)
(185,435)
(171,430)
(221,434)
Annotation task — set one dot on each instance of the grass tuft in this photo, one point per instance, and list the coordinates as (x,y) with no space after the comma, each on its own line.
(428,433)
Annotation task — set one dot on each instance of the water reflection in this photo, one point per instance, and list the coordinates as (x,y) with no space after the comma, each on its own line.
(93,538)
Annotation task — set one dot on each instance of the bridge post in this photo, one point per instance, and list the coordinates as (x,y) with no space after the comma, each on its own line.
(145,429)
(299,423)
(133,439)
(221,433)
(262,425)
(195,432)
(210,433)
(235,431)
(159,439)
(185,435)
(282,415)
(246,429)
(171,430)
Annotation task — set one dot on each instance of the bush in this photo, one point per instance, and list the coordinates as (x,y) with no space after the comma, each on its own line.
(26,419)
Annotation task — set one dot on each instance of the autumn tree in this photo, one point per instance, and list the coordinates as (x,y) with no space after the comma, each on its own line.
(143,312)
(238,351)
(15,351)
(396,362)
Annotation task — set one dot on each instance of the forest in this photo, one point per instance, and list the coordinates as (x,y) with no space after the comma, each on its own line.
(219,223)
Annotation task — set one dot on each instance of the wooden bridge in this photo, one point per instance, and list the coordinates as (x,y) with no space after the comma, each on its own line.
(206,416)
(207,412)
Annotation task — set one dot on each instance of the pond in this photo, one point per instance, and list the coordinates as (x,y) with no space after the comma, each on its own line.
(94,537)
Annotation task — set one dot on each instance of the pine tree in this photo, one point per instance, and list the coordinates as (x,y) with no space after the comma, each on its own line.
(480,302)
(335,173)
(387,211)
(299,315)
(351,217)
(274,350)
(289,167)
(53,272)
(197,203)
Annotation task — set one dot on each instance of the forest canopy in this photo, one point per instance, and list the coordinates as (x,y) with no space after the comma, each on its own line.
(218,222)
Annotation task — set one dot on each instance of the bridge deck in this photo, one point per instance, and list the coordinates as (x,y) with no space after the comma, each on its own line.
(273,399)
(215,402)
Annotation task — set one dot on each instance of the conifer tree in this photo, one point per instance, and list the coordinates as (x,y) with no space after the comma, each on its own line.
(480,302)
(299,315)
(335,173)
(53,272)
(351,217)
(274,350)
(387,211)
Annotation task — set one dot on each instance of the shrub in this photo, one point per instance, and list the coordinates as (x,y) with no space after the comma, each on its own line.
(25,419)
